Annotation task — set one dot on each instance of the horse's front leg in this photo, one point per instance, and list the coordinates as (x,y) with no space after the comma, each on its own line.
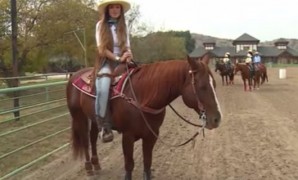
(148,144)
(127,146)
(250,84)
(223,80)
(256,83)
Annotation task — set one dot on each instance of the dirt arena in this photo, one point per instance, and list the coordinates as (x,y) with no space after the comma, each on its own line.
(257,140)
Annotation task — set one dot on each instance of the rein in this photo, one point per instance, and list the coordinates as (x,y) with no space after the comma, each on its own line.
(202,115)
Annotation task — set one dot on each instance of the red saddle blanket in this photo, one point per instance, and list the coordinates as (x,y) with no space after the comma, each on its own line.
(116,88)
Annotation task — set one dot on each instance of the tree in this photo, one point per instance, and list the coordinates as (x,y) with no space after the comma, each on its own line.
(136,28)
(158,46)
(189,41)
(42,25)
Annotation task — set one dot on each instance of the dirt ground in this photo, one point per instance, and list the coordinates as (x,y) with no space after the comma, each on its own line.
(257,140)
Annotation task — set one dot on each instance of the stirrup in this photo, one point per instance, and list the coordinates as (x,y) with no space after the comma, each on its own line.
(107,135)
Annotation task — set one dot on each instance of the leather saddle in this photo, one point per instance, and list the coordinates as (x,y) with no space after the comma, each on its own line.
(85,82)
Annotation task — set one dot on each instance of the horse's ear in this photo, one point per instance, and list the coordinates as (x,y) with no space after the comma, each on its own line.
(237,61)
(192,63)
(205,59)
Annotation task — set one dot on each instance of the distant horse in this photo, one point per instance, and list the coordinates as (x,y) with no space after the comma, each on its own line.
(263,70)
(225,72)
(246,75)
(139,112)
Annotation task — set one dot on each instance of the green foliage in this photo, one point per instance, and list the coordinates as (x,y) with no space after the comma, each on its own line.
(51,29)
(189,41)
(158,46)
(36,61)
(42,31)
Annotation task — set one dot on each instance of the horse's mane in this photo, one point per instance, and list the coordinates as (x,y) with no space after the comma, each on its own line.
(162,69)
(158,78)
(164,78)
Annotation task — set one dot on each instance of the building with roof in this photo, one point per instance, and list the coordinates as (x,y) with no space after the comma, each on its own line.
(279,53)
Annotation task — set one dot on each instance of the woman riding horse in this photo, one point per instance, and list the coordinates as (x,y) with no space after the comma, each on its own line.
(112,38)
(138,110)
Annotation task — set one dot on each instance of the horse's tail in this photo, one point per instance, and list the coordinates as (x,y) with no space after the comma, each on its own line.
(79,122)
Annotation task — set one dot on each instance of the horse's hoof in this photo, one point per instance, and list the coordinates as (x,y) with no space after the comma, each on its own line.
(96,172)
(90,173)
(147,175)
(128,176)
(96,169)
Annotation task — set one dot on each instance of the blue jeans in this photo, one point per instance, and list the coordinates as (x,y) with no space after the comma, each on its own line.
(102,84)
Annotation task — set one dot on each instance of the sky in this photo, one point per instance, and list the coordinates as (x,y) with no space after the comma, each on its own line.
(265,20)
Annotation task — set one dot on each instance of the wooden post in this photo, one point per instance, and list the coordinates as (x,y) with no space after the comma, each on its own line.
(14,34)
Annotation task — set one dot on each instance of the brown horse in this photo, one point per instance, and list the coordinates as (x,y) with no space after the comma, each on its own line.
(263,70)
(154,86)
(227,74)
(247,76)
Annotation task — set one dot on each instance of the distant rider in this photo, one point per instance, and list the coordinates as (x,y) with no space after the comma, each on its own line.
(227,60)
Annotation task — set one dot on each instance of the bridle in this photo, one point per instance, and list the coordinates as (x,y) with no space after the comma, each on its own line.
(202,112)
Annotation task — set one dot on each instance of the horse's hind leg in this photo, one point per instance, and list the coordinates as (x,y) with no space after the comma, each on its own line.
(93,139)
(88,164)
(148,144)
(128,145)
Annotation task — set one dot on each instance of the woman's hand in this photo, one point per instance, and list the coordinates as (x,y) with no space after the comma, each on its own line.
(126,57)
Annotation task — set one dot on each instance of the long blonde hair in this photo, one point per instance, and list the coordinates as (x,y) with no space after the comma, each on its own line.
(106,34)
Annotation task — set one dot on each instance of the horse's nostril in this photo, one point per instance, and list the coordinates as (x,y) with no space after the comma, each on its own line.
(217,120)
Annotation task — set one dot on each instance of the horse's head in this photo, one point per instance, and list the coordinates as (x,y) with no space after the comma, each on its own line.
(216,66)
(221,67)
(199,92)
(237,67)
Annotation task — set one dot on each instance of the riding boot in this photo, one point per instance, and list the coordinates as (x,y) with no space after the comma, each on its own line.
(107,133)
(102,109)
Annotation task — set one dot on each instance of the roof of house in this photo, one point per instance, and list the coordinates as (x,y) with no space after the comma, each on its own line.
(245,38)
(281,40)
(265,51)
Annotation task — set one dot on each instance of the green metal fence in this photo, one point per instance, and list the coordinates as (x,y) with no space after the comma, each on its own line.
(42,128)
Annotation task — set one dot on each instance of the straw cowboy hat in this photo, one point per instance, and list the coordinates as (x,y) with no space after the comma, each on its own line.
(102,4)
(227,54)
